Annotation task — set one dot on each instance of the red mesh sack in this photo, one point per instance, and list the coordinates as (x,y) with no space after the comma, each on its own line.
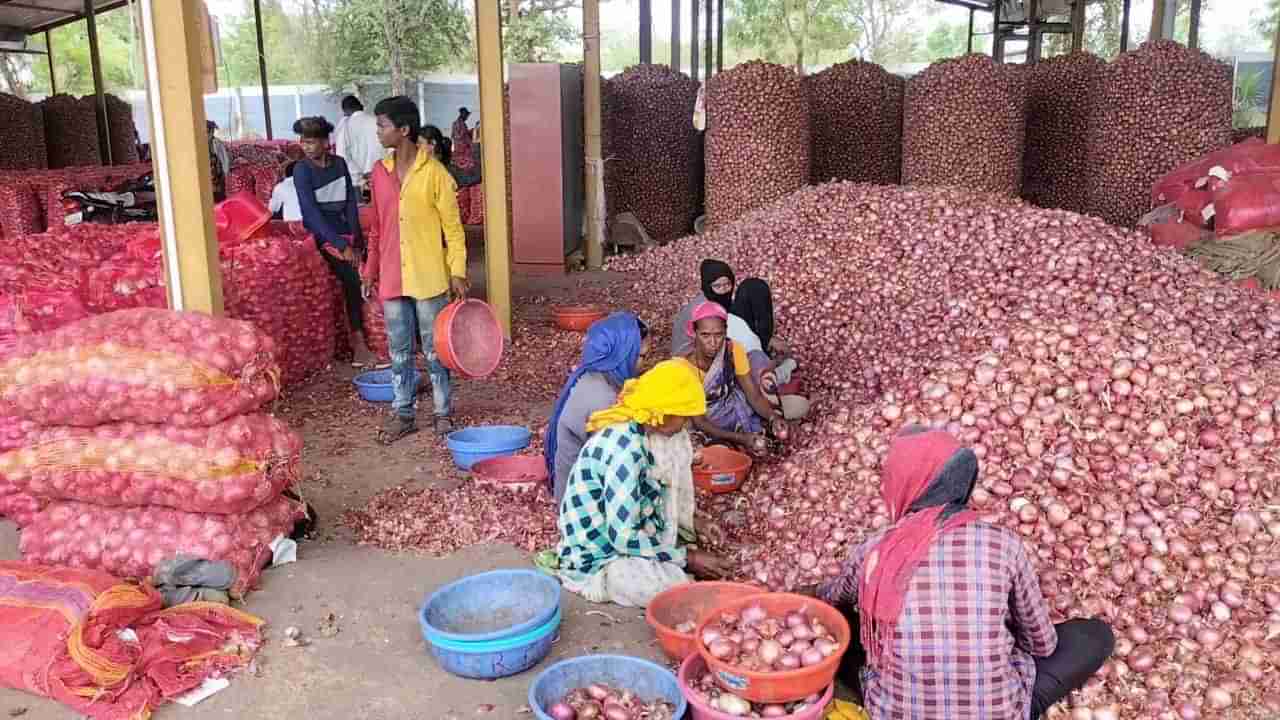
(1247,202)
(21,212)
(18,506)
(1248,157)
(60,638)
(131,542)
(45,310)
(71,132)
(142,365)
(22,144)
(1177,235)
(1192,204)
(282,285)
(241,179)
(232,467)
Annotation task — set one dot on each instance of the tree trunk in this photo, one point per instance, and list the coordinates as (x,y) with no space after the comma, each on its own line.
(12,77)
(395,57)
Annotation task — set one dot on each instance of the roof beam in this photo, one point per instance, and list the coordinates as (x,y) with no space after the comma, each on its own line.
(76,17)
(37,8)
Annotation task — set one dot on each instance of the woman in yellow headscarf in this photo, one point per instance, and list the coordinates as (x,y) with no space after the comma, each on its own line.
(617,538)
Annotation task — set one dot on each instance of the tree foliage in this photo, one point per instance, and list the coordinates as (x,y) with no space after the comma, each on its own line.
(787,30)
(403,38)
(884,35)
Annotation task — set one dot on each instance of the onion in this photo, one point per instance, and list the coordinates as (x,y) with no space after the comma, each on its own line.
(561,711)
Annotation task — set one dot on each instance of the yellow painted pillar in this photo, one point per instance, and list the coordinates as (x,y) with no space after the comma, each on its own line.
(172,41)
(497,243)
(1273,107)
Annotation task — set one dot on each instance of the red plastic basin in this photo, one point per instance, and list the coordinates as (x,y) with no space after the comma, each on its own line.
(577,318)
(512,472)
(689,603)
(468,338)
(239,217)
(723,470)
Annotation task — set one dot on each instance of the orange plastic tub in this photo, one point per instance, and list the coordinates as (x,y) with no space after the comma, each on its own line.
(689,603)
(790,685)
(722,470)
(577,318)
(468,338)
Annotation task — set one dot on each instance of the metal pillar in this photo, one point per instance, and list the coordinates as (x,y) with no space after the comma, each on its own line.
(1193,34)
(1078,20)
(497,244)
(969,49)
(693,39)
(719,36)
(997,39)
(1034,37)
(710,49)
(675,35)
(262,68)
(646,32)
(48,55)
(180,150)
(95,63)
(591,99)
(1124,25)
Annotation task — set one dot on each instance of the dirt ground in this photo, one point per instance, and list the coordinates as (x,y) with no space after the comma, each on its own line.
(376,667)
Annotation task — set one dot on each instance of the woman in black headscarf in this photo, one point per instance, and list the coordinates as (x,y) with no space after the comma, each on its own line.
(717,286)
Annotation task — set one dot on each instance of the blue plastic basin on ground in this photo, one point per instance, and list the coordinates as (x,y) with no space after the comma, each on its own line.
(490,606)
(649,681)
(482,442)
(375,385)
(492,659)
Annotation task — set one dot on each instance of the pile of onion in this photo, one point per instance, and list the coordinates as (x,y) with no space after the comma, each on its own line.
(755,641)
(598,701)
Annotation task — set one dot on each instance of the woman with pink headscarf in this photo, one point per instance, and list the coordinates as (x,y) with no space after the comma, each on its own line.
(737,410)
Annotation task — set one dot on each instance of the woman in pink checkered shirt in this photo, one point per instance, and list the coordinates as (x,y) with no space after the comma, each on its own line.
(948,609)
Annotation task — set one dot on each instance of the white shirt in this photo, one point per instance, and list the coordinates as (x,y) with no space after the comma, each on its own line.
(285,196)
(356,141)
(741,333)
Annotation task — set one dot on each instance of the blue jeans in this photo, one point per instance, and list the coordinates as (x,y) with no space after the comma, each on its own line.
(406,318)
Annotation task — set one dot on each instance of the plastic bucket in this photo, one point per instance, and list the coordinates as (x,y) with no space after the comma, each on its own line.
(694,665)
(474,444)
(723,470)
(647,680)
(469,339)
(577,319)
(689,603)
(240,216)
(490,606)
(790,685)
(492,659)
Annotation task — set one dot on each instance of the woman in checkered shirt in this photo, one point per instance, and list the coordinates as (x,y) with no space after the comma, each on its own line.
(948,609)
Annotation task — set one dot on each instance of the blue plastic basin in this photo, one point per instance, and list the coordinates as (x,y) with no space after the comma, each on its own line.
(490,606)
(648,680)
(492,659)
(482,442)
(375,385)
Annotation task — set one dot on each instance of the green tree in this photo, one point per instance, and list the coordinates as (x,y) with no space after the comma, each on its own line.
(289,48)
(1267,20)
(537,36)
(788,29)
(884,36)
(946,40)
(71,62)
(403,37)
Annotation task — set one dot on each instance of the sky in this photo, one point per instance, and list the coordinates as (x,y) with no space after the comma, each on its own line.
(622,16)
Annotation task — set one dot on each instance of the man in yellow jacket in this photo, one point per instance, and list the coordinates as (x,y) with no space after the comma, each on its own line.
(418,256)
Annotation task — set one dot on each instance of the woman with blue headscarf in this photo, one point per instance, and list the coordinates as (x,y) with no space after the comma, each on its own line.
(610,356)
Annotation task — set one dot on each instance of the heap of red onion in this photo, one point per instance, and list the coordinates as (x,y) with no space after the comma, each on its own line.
(602,702)
(1122,400)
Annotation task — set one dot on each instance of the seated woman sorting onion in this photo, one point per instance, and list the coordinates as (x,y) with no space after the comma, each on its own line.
(737,410)
(946,612)
(610,356)
(618,527)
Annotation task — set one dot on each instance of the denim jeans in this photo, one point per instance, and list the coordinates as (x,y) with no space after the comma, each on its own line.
(408,318)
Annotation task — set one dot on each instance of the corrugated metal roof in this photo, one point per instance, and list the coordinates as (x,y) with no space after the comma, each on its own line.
(34,16)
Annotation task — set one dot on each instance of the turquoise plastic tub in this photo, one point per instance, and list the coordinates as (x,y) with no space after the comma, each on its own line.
(375,385)
(490,606)
(492,659)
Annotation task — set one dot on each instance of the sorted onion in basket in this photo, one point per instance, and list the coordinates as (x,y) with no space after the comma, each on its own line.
(754,640)
(598,701)
(709,691)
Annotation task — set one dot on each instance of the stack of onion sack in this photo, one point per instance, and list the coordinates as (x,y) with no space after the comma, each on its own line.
(1158,107)
(653,169)
(63,630)
(1061,92)
(757,142)
(964,123)
(281,284)
(857,123)
(22,135)
(146,445)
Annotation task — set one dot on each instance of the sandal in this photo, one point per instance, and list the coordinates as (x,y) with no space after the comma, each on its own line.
(396,428)
(443,425)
